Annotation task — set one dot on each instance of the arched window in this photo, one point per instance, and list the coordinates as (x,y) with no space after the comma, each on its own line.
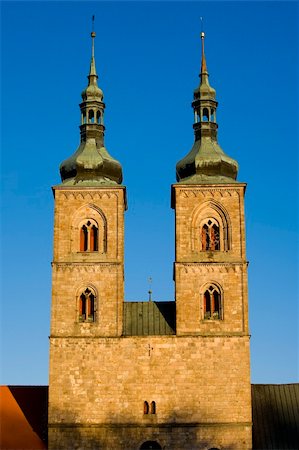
(91,116)
(83,239)
(87,306)
(99,118)
(210,236)
(212,119)
(145,408)
(89,237)
(205,115)
(153,407)
(212,303)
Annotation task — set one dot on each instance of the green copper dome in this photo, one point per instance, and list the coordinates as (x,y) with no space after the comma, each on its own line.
(91,164)
(206,163)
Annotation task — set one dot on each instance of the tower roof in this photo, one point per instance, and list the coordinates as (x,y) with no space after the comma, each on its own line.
(91,164)
(206,163)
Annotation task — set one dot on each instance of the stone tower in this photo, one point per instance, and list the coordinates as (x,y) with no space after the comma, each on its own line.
(210,267)
(149,375)
(88,263)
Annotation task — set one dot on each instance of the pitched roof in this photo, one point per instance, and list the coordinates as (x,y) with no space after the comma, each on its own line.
(275,415)
(23,414)
(149,318)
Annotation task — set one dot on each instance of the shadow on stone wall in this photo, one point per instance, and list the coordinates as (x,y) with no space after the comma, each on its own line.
(120,434)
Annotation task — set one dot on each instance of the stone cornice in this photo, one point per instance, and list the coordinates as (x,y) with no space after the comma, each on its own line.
(106,263)
(210,267)
(157,336)
(214,263)
(150,425)
(220,186)
(88,188)
(197,192)
(92,267)
(90,193)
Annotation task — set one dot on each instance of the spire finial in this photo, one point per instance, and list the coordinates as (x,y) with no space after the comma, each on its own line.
(92,71)
(203,58)
(93,35)
(201,21)
(150,289)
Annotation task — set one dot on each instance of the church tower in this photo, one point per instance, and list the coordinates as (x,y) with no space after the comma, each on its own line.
(210,268)
(88,263)
(149,375)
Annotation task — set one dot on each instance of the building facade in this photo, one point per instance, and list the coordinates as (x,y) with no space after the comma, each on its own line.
(149,375)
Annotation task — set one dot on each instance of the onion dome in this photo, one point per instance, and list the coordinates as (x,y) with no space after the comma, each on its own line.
(91,164)
(206,163)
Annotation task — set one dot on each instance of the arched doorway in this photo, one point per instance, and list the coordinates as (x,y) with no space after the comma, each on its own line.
(150,445)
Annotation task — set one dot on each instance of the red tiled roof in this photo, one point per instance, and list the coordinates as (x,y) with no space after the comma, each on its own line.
(22,411)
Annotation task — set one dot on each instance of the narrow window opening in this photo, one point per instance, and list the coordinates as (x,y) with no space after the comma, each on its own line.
(197,116)
(216,309)
(145,408)
(83,239)
(205,115)
(94,239)
(212,115)
(212,303)
(210,236)
(89,237)
(82,308)
(91,116)
(215,244)
(99,118)
(90,312)
(205,238)
(87,306)
(153,407)
(207,305)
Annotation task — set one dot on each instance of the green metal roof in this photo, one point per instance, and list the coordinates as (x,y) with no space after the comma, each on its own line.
(149,318)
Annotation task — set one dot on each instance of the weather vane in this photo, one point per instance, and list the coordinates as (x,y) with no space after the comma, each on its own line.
(92,23)
(150,290)
(202,34)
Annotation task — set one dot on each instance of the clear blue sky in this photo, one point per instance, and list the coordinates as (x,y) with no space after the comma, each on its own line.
(148,60)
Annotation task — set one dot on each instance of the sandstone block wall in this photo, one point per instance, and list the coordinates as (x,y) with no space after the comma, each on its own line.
(74,270)
(195,381)
(175,437)
(195,269)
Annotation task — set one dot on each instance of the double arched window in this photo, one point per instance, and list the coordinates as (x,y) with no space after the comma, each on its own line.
(149,408)
(210,235)
(212,303)
(89,231)
(89,236)
(87,306)
(210,228)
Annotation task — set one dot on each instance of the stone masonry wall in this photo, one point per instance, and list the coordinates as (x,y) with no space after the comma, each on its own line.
(196,269)
(74,270)
(197,381)
(174,437)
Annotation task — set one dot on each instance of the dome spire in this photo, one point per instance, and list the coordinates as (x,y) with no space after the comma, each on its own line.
(91,164)
(204,69)
(206,162)
(92,71)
